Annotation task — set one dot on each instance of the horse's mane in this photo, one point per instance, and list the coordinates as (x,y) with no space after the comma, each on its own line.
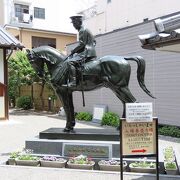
(49,53)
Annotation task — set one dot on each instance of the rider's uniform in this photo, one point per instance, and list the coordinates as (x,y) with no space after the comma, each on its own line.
(83,52)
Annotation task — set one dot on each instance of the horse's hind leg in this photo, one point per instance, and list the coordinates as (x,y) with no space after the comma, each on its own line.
(125,95)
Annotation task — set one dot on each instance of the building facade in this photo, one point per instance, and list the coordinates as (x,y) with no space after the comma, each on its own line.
(34,23)
(7,42)
(162,75)
(109,15)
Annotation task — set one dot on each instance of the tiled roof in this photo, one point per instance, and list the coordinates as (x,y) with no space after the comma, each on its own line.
(154,40)
(8,41)
(160,39)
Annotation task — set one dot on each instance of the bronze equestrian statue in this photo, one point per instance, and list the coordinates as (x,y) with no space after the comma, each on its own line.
(81,71)
(109,71)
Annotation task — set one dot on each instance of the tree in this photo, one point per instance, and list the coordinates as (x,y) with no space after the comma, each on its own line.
(20,73)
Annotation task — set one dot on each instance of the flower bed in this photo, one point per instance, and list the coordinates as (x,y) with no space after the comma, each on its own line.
(52,161)
(25,158)
(143,166)
(170,161)
(80,162)
(111,165)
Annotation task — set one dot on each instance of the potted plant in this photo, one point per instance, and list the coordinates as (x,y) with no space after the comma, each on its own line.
(169,154)
(111,165)
(52,161)
(26,158)
(170,168)
(13,156)
(143,166)
(80,162)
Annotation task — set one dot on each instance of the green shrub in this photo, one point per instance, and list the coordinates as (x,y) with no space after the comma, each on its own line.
(110,119)
(84,116)
(168,130)
(24,102)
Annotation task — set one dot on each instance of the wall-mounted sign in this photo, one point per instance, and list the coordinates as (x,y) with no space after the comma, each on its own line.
(138,138)
(139,112)
(90,150)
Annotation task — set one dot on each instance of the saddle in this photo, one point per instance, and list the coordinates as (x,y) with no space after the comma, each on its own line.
(80,70)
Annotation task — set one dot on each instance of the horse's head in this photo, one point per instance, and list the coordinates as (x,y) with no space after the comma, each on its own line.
(36,62)
(45,55)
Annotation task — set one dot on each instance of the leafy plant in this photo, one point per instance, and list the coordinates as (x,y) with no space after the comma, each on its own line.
(14,154)
(24,102)
(170,165)
(168,130)
(143,164)
(110,119)
(84,116)
(26,154)
(19,72)
(81,159)
(27,157)
(169,154)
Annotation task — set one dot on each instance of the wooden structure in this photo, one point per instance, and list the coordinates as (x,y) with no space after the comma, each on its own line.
(7,44)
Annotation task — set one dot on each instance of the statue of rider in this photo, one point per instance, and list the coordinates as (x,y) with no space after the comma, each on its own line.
(83,52)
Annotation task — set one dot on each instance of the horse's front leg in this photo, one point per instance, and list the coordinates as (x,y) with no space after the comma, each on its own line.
(70,113)
(67,102)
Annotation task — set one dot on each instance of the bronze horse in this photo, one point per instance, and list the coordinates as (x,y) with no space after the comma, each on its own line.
(109,71)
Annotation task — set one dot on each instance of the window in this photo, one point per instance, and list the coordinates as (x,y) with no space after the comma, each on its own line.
(39,13)
(20,10)
(43,41)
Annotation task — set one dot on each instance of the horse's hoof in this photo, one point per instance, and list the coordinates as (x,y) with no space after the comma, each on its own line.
(69,130)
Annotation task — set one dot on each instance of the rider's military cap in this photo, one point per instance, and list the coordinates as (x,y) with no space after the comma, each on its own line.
(76,18)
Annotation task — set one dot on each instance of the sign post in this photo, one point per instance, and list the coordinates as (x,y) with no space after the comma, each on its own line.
(139,134)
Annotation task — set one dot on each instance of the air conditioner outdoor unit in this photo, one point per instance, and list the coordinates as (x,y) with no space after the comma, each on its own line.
(26,18)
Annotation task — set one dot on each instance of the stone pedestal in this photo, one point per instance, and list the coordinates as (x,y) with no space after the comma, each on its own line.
(96,143)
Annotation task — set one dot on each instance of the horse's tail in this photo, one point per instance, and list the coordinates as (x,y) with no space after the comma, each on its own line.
(140,72)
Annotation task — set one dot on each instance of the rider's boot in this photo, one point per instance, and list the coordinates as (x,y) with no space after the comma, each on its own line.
(72,79)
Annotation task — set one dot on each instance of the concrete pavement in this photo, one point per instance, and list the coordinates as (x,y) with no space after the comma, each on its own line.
(24,125)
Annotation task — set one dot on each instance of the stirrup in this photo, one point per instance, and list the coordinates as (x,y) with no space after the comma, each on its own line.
(70,84)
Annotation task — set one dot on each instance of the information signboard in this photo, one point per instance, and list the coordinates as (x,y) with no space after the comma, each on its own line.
(138,112)
(138,138)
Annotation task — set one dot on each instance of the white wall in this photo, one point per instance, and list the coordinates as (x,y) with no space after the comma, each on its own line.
(57,13)
(122,13)
(2,107)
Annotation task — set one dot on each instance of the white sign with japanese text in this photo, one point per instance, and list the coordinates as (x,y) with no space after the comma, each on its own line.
(139,112)
(138,138)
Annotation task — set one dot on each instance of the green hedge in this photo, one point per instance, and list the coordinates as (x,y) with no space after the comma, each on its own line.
(24,102)
(83,116)
(167,130)
(110,119)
